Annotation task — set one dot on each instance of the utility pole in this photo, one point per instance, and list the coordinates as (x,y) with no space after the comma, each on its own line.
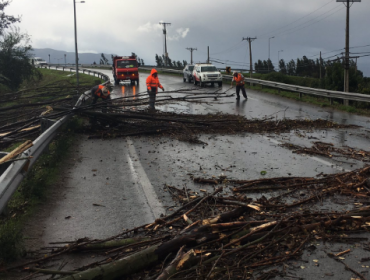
(348,4)
(268,62)
(165,41)
(320,65)
(191,54)
(208,54)
(250,54)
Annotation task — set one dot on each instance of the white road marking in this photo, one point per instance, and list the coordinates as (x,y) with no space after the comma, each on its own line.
(142,182)
(311,157)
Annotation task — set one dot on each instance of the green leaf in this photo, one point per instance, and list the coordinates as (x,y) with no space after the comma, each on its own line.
(263,172)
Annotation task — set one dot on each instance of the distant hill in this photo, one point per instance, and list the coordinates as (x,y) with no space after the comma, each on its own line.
(57,57)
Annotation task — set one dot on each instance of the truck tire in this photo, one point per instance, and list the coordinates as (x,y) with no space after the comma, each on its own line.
(184,79)
(116,82)
(137,81)
(220,84)
(132,82)
(189,80)
(200,82)
(195,81)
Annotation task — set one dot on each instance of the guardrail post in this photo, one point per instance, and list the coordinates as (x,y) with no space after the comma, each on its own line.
(346,102)
(300,95)
(331,101)
(46,123)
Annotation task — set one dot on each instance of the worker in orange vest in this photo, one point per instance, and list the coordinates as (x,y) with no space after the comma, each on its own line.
(152,83)
(102,92)
(239,80)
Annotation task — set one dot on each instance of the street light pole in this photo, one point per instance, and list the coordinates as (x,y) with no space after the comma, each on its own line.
(74,9)
(65,60)
(268,64)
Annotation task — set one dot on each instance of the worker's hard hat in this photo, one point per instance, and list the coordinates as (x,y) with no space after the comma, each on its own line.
(235,73)
(105,91)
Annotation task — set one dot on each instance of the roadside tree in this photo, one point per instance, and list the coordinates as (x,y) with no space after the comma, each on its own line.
(14,52)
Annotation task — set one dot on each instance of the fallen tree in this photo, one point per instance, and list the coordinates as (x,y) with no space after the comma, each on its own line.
(229,236)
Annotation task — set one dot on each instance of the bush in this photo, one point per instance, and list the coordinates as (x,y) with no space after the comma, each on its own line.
(11,242)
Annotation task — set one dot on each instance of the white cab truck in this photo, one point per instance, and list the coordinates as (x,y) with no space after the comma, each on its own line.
(37,61)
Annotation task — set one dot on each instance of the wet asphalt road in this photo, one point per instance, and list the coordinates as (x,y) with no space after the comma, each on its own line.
(111,185)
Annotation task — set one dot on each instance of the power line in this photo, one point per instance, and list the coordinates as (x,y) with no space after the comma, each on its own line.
(354,47)
(294,29)
(359,47)
(359,52)
(327,52)
(263,35)
(230,48)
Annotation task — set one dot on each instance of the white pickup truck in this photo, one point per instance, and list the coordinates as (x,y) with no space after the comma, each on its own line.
(206,73)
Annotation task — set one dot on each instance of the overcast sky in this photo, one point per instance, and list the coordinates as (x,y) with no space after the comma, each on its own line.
(299,27)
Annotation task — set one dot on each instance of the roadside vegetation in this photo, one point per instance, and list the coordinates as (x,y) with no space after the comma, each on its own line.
(53,85)
(301,72)
(21,111)
(33,191)
(26,92)
(353,107)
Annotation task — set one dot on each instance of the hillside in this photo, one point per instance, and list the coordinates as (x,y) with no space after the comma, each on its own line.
(57,57)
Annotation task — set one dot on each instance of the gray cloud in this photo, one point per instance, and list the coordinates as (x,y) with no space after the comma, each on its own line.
(120,27)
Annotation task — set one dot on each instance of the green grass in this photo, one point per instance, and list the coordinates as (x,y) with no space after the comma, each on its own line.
(316,100)
(51,77)
(33,191)
(13,146)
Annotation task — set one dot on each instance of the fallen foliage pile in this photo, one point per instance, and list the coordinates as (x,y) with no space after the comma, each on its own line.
(329,150)
(21,112)
(187,127)
(227,235)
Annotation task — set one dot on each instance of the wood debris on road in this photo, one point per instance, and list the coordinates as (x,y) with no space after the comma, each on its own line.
(231,235)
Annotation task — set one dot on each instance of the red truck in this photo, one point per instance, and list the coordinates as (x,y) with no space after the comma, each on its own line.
(125,68)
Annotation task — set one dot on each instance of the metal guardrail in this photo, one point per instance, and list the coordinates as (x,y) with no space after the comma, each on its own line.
(14,174)
(293,88)
(71,68)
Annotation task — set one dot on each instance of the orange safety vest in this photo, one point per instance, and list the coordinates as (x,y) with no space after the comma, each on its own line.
(153,81)
(239,80)
(99,92)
